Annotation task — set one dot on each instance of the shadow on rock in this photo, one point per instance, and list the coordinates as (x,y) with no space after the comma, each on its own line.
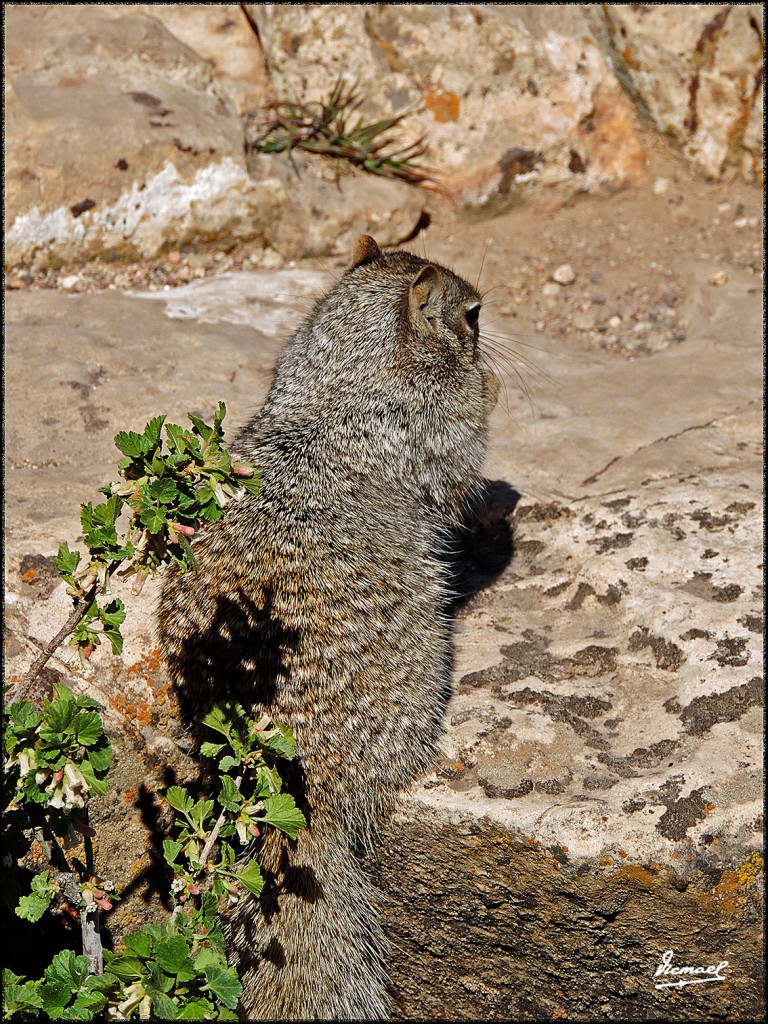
(483,547)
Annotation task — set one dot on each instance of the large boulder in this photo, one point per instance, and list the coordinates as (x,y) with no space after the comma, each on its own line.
(118,138)
(698,70)
(507,95)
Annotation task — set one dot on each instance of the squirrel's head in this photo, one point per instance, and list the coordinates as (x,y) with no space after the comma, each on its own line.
(437,314)
(389,362)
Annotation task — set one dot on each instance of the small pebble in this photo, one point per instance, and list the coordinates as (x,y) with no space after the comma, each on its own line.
(583,321)
(564,274)
(660,186)
(614,322)
(70,281)
(719,278)
(550,289)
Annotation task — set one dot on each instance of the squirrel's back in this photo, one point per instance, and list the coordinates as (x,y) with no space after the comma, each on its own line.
(322,600)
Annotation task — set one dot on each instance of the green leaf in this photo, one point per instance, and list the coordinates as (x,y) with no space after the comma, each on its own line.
(17,997)
(164,1007)
(33,906)
(171,850)
(208,912)
(23,717)
(87,728)
(250,483)
(173,954)
(212,749)
(281,743)
(200,427)
(199,1009)
(67,969)
(152,517)
(152,430)
(281,811)
(95,784)
(132,444)
(230,796)
(122,965)
(220,719)
(138,942)
(189,556)
(177,438)
(251,878)
(201,811)
(218,417)
(113,614)
(224,985)
(66,561)
(164,491)
(100,758)
(179,799)
(60,711)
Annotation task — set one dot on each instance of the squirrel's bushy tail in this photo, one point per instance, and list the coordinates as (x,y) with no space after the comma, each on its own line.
(311,948)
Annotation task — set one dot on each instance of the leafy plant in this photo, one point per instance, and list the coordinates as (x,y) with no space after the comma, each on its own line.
(57,756)
(327,127)
(250,797)
(168,488)
(175,971)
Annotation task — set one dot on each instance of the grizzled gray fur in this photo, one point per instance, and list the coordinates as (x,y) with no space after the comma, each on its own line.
(322,600)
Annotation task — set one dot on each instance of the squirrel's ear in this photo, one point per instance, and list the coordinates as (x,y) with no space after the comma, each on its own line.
(364,251)
(426,290)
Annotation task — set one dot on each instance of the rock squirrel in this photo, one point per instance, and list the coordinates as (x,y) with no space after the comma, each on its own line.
(323,599)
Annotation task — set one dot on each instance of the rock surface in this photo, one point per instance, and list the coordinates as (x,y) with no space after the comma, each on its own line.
(599,798)
(509,95)
(130,127)
(119,140)
(698,70)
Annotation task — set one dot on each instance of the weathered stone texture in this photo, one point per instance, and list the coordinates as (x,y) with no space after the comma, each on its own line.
(698,69)
(128,125)
(508,95)
(599,801)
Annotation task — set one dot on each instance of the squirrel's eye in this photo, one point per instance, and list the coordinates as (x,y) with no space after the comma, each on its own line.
(473,316)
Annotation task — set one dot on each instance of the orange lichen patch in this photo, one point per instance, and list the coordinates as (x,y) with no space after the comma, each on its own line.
(729,894)
(147,666)
(611,147)
(707,807)
(621,853)
(606,862)
(444,106)
(30,574)
(129,795)
(751,869)
(457,766)
(630,58)
(638,874)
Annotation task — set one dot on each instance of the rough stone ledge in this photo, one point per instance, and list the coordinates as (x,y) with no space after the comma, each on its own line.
(605,725)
